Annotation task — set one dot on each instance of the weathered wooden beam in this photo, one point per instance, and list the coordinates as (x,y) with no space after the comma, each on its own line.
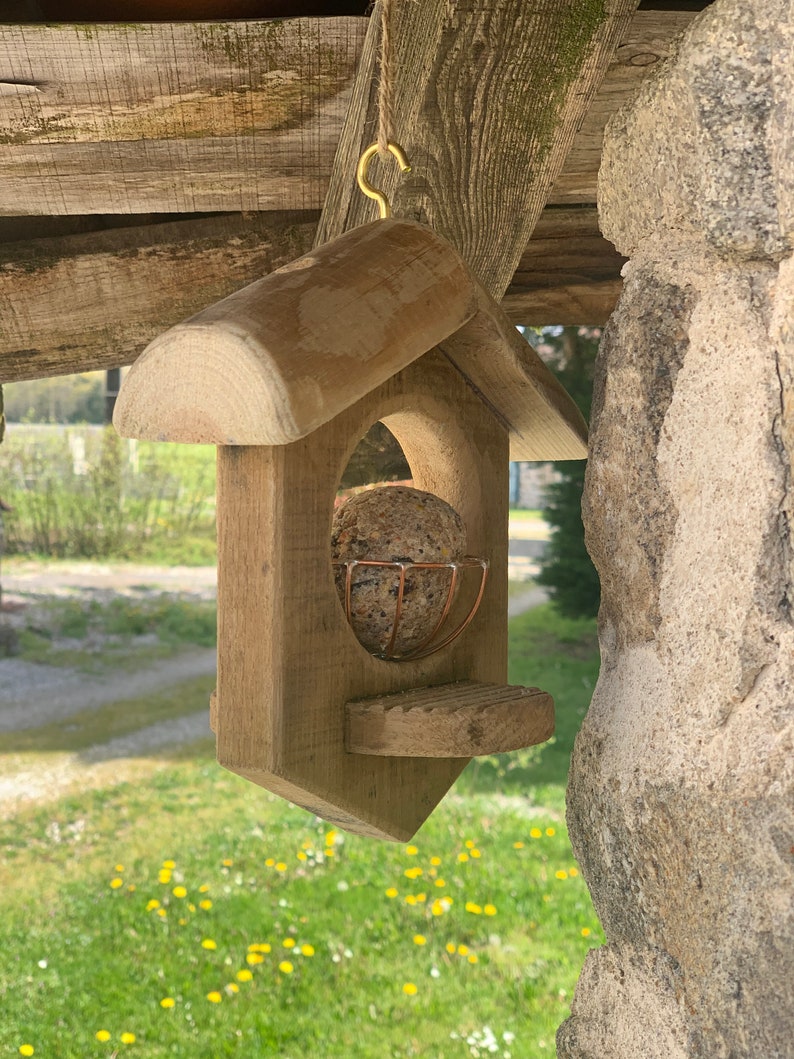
(182,117)
(82,302)
(568,274)
(488,98)
(648,39)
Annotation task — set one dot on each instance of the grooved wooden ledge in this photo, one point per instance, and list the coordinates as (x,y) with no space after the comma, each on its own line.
(464,719)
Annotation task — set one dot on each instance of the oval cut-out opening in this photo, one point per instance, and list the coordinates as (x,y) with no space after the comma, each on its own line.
(403,576)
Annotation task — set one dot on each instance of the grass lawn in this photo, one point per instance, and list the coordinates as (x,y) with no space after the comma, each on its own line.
(191,914)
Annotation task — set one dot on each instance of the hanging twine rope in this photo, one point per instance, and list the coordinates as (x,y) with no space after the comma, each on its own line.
(387,83)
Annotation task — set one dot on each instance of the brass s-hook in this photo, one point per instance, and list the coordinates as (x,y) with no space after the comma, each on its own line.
(361,174)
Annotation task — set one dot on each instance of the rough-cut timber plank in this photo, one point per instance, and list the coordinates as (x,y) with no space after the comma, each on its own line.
(568,274)
(81,302)
(646,42)
(181,117)
(488,98)
(457,720)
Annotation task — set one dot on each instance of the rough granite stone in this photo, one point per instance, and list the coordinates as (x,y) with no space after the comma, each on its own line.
(681,796)
(706,148)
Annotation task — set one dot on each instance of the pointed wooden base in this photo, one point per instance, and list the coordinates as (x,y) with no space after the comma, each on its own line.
(464,719)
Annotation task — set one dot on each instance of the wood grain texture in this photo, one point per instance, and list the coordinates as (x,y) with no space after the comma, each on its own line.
(287,659)
(488,99)
(83,302)
(181,117)
(279,358)
(568,274)
(457,720)
(647,40)
(501,366)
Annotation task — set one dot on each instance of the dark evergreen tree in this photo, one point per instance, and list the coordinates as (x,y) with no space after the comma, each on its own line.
(566,569)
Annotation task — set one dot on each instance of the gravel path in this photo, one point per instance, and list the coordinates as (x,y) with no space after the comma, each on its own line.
(32,695)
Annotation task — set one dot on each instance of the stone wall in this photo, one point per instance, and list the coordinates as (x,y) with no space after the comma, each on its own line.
(681,798)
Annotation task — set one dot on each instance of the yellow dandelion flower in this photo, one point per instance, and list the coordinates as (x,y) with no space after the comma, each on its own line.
(118,869)
(214,997)
(116,883)
(206,904)
(288,943)
(253,958)
(435,861)
(391,892)
(262,947)
(410,989)
(475,909)
(462,858)
(451,947)
(561,874)
(208,943)
(204,888)
(475,853)
(232,987)
(182,922)
(169,864)
(490,910)
(167,1002)
(227,863)
(307,950)
(301,855)
(463,950)
(573,872)
(420,939)
(518,845)
(102,1035)
(447,902)
(550,832)
(472,958)
(330,837)
(437,908)
(281,866)
(586,932)
(412,873)
(439,882)
(468,844)
(410,899)
(154,903)
(270,862)
(420,898)
(411,851)
(535,832)
(286,967)
(179,891)
(161,912)
(244,975)
(307,843)
(26,1049)
(330,852)
(127,1038)
(164,877)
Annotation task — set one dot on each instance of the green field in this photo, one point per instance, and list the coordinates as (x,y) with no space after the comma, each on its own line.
(187,913)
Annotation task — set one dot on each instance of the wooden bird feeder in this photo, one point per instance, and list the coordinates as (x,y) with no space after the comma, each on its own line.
(387,324)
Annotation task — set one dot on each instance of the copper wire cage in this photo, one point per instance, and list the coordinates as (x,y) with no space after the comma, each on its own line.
(439,636)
